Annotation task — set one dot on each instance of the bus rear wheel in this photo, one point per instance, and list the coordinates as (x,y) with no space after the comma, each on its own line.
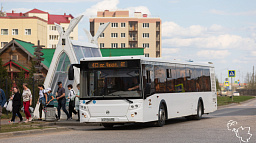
(161,116)
(199,114)
(107,125)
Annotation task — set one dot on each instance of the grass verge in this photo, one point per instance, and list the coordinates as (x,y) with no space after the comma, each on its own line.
(9,116)
(225,100)
(20,127)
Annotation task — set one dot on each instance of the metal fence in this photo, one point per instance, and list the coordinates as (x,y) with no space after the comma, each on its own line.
(7,84)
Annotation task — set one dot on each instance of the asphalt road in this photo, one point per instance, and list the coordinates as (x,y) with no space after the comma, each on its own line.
(211,129)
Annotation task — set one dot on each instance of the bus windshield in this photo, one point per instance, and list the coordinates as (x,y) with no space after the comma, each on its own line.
(113,83)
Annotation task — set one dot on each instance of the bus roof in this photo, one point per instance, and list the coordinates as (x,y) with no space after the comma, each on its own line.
(147,59)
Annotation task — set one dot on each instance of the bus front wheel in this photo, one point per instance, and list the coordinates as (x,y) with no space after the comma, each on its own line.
(161,116)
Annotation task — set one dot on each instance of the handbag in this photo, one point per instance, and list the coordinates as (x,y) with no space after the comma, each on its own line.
(9,106)
(5,105)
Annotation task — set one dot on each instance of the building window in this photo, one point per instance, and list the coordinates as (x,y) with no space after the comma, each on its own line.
(101,23)
(145,25)
(102,45)
(14,57)
(4,31)
(52,46)
(15,32)
(122,24)
(53,28)
(145,35)
(53,37)
(71,38)
(145,45)
(122,35)
(27,31)
(146,54)
(114,35)
(114,24)
(3,44)
(122,45)
(102,35)
(114,45)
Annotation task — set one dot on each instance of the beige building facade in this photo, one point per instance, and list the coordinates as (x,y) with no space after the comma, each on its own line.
(27,29)
(124,31)
(34,25)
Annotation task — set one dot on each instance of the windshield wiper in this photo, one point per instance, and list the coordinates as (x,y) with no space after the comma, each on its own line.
(123,98)
(88,101)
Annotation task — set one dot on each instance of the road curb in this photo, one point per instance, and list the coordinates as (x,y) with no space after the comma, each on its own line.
(234,104)
(35,131)
(74,124)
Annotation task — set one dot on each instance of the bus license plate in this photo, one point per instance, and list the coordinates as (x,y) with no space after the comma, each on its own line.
(107,119)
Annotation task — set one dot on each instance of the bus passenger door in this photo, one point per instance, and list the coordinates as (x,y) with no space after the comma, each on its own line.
(150,103)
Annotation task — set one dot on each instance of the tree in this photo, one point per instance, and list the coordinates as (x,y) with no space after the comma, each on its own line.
(217,84)
(3,70)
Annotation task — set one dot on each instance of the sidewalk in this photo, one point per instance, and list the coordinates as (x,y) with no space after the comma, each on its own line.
(57,123)
(235,104)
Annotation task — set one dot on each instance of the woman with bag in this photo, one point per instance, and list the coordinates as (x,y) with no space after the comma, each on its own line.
(27,101)
(16,99)
(42,100)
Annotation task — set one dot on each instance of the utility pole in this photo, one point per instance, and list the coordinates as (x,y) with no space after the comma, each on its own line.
(38,59)
(253,77)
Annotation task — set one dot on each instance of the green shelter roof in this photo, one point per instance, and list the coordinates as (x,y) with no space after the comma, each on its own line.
(113,52)
(48,53)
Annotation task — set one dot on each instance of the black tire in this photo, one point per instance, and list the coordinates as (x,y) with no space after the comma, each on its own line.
(161,116)
(108,125)
(199,114)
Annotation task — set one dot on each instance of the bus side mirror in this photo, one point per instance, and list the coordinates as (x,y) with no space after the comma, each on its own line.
(71,73)
(147,90)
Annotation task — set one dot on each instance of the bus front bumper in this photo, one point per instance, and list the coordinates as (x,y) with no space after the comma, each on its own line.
(85,117)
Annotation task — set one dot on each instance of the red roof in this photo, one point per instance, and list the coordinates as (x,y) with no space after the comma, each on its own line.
(59,18)
(51,18)
(36,11)
(14,14)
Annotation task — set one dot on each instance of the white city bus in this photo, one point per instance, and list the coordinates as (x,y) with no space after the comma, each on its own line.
(137,89)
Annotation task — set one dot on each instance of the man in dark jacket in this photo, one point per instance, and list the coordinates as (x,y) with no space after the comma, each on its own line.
(2,101)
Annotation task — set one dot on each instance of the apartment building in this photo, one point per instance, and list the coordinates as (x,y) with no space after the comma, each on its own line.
(32,26)
(139,31)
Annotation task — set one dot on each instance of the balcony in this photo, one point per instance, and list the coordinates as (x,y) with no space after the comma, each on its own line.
(157,26)
(157,38)
(133,39)
(158,54)
(133,28)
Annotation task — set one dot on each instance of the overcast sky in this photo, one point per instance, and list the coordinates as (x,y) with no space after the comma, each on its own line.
(219,31)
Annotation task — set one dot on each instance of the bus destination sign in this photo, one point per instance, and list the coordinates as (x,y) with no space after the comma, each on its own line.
(115,64)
